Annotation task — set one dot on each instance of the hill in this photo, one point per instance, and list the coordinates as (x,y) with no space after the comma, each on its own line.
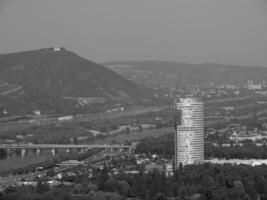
(55,80)
(184,73)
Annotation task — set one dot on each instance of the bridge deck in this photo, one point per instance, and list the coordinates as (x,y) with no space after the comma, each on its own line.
(59,146)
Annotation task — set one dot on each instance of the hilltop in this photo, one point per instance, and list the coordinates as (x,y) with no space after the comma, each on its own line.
(55,80)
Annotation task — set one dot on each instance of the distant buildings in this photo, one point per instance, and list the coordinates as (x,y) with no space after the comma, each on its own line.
(251,162)
(189,135)
(58,48)
(255,87)
(71,163)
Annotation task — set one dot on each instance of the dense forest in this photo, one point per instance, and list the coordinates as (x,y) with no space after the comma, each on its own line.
(202,182)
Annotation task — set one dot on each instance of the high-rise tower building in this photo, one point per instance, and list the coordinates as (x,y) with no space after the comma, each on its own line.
(189,131)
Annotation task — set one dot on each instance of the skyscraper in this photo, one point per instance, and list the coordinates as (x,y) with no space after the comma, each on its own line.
(189,131)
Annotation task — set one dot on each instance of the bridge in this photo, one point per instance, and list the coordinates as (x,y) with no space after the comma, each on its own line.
(53,147)
(60,146)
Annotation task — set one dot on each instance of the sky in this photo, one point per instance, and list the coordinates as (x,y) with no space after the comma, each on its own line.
(194,31)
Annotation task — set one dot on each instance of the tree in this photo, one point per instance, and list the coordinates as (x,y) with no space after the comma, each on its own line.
(128,130)
(83,180)
(75,140)
(58,193)
(140,128)
(102,178)
(260,184)
(10,189)
(50,173)
(160,196)
(42,187)
(110,185)
(80,189)
(123,188)
(180,167)
(96,196)
(29,196)
(3,154)
(238,191)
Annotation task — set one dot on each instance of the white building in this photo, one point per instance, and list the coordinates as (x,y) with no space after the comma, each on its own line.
(189,127)
(253,86)
(252,162)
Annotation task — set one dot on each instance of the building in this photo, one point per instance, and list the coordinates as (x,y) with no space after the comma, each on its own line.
(189,131)
(253,86)
(251,162)
(71,163)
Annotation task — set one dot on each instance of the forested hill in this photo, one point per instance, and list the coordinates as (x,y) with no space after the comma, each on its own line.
(54,79)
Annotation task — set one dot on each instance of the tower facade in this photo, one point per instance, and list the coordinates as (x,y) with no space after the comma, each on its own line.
(189,131)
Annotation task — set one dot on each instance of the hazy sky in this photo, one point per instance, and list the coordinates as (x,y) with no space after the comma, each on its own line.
(196,31)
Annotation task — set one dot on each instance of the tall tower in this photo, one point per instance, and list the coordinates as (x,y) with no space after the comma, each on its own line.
(189,131)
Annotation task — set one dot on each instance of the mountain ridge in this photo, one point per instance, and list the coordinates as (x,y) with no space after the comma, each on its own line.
(115,62)
(198,71)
